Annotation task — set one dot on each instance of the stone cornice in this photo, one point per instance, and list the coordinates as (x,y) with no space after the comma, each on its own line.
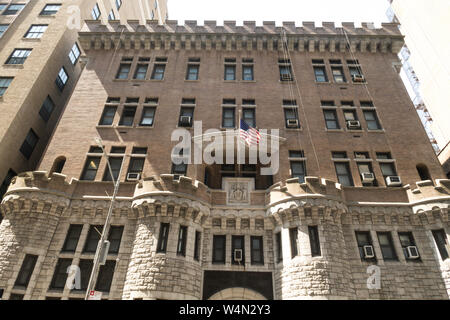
(249,36)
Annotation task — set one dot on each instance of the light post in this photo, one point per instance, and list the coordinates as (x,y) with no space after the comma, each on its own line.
(101,242)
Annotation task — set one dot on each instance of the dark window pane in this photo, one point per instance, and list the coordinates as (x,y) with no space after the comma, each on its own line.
(26,270)
(182,237)
(163,237)
(60,275)
(93,237)
(29,144)
(314,240)
(116,163)
(90,168)
(441,242)
(219,249)
(279,247)
(198,238)
(73,235)
(257,250)
(293,235)
(238,242)
(105,276)
(115,237)
(387,246)
(127,116)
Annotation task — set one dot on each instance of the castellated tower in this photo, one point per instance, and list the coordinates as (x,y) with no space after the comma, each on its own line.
(356,206)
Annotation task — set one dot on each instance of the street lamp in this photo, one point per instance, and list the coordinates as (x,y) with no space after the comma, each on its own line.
(102,242)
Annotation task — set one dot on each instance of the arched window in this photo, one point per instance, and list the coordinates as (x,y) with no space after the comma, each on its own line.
(58,165)
(423,172)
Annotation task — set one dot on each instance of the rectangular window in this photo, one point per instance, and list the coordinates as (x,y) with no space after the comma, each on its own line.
(2,6)
(364,168)
(339,155)
(47,108)
(92,239)
(441,242)
(230,72)
(16,296)
(343,174)
(284,66)
(363,239)
(179,169)
(62,78)
(13,9)
(36,31)
(158,72)
(314,240)
(96,12)
(28,264)
(90,168)
(371,120)
(108,116)
(72,237)
(186,117)
(141,71)
(18,56)
(279,245)
(192,71)
(407,240)
(124,70)
(338,74)
(3,28)
(74,54)
(116,163)
(320,74)
(114,238)
(136,165)
(247,70)
(219,247)
(148,116)
(197,246)
(182,237)
(298,170)
(111,15)
(118,4)
(237,243)
(388,169)
(105,276)
(293,236)
(228,118)
(60,275)
(331,119)
(163,237)
(256,246)
(5,184)
(291,118)
(29,144)
(85,266)
(50,9)
(127,118)
(248,115)
(4,84)
(387,246)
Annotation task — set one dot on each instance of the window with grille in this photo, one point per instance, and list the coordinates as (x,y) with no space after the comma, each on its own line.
(18,56)
(36,31)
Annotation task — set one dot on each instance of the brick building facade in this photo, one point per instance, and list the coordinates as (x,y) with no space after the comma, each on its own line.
(358,183)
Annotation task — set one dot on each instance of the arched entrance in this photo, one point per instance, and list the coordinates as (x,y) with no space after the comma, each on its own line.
(237,294)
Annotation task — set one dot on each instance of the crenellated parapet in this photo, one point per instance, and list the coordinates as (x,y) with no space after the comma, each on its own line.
(229,36)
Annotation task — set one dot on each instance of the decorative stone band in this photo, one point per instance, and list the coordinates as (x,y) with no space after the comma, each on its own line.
(190,36)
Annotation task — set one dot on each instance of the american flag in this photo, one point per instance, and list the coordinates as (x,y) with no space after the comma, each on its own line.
(248,134)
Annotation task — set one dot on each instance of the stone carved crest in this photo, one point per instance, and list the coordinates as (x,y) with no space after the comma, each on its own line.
(238,190)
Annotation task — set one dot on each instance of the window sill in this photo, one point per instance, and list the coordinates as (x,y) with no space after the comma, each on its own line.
(376,131)
(144,127)
(359,82)
(354,130)
(13,66)
(121,80)
(293,129)
(52,16)
(186,80)
(323,82)
(340,159)
(31,39)
(286,81)
(334,130)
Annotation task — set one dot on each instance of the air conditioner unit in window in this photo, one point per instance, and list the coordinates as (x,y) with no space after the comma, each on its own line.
(393,181)
(353,124)
(237,255)
(413,253)
(286,77)
(367,177)
(368,252)
(131,176)
(358,78)
(185,120)
(292,123)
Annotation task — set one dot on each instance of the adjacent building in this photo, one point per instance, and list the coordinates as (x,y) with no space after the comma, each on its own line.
(358,208)
(40,66)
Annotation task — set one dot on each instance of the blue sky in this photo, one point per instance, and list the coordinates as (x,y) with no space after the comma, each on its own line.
(279,10)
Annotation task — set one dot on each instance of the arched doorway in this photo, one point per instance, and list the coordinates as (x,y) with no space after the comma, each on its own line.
(423,172)
(237,294)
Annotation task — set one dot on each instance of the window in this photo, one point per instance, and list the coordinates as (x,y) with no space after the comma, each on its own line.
(339,155)
(337,71)
(320,74)
(198,238)
(50,9)
(193,69)
(92,239)
(256,246)
(74,54)
(114,238)
(2,6)
(366,167)
(441,242)
(28,264)
(230,69)
(127,116)
(363,239)
(72,237)
(141,71)
(96,12)
(343,173)
(13,9)
(248,115)
(388,169)
(47,108)
(124,70)
(16,296)
(314,240)
(291,117)
(29,144)
(62,78)
(163,237)
(136,165)
(284,66)
(5,184)
(179,169)
(351,120)
(90,168)
(3,28)
(298,167)
(18,56)
(355,71)
(148,116)
(158,72)
(387,246)
(36,31)
(4,84)
(105,276)
(407,240)
(279,246)
(111,15)
(371,120)
(237,243)
(247,70)
(108,116)
(293,236)
(85,266)
(423,172)
(219,247)
(366,104)
(118,4)
(116,163)
(228,118)
(60,275)
(186,117)
(331,119)
(182,236)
